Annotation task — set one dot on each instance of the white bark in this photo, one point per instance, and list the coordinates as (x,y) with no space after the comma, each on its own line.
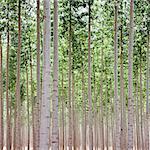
(55,130)
(130,78)
(45,107)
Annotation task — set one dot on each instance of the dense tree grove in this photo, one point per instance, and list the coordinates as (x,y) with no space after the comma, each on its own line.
(75,74)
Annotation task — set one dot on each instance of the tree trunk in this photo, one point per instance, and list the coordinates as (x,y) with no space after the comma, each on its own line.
(45,108)
(1,100)
(7,88)
(55,128)
(63,118)
(101,106)
(112,115)
(107,115)
(137,114)
(34,136)
(116,99)
(69,86)
(73,113)
(84,111)
(141,102)
(130,78)
(28,111)
(18,100)
(38,74)
(122,99)
(147,95)
(89,82)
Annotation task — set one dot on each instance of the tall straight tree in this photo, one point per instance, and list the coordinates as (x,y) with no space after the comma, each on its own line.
(117,117)
(18,102)
(130,77)
(28,111)
(141,101)
(45,107)
(147,92)
(148,72)
(101,117)
(63,112)
(7,83)
(31,96)
(89,81)
(69,84)
(55,129)
(122,99)
(1,99)
(137,111)
(83,108)
(38,72)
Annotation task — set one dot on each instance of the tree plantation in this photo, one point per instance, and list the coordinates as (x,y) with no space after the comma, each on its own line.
(74,75)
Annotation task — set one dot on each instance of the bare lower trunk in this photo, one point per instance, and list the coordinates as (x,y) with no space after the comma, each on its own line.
(101,107)
(45,107)
(28,112)
(130,78)
(38,73)
(63,113)
(84,111)
(73,112)
(89,82)
(123,113)
(55,128)
(7,89)
(147,95)
(1,99)
(18,101)
(141,103)
(116,99)
(69,86)
(137,115)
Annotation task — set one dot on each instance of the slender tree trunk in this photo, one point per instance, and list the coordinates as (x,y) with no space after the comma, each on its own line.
(137,114)
(89,82)
(55,128)
(147,95)
(38,73)
(123,113)
(101,106)
(73,113)
(18,101)
(107,115)
(141,102)
(95,114)
(1,100)
(34,136)
(63,118)
(7,88)
(45,108)
(116,99)
(28,111)
(130,78)
(11,124)
(112,116)
(14,131)
(69,86)
(84,110)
